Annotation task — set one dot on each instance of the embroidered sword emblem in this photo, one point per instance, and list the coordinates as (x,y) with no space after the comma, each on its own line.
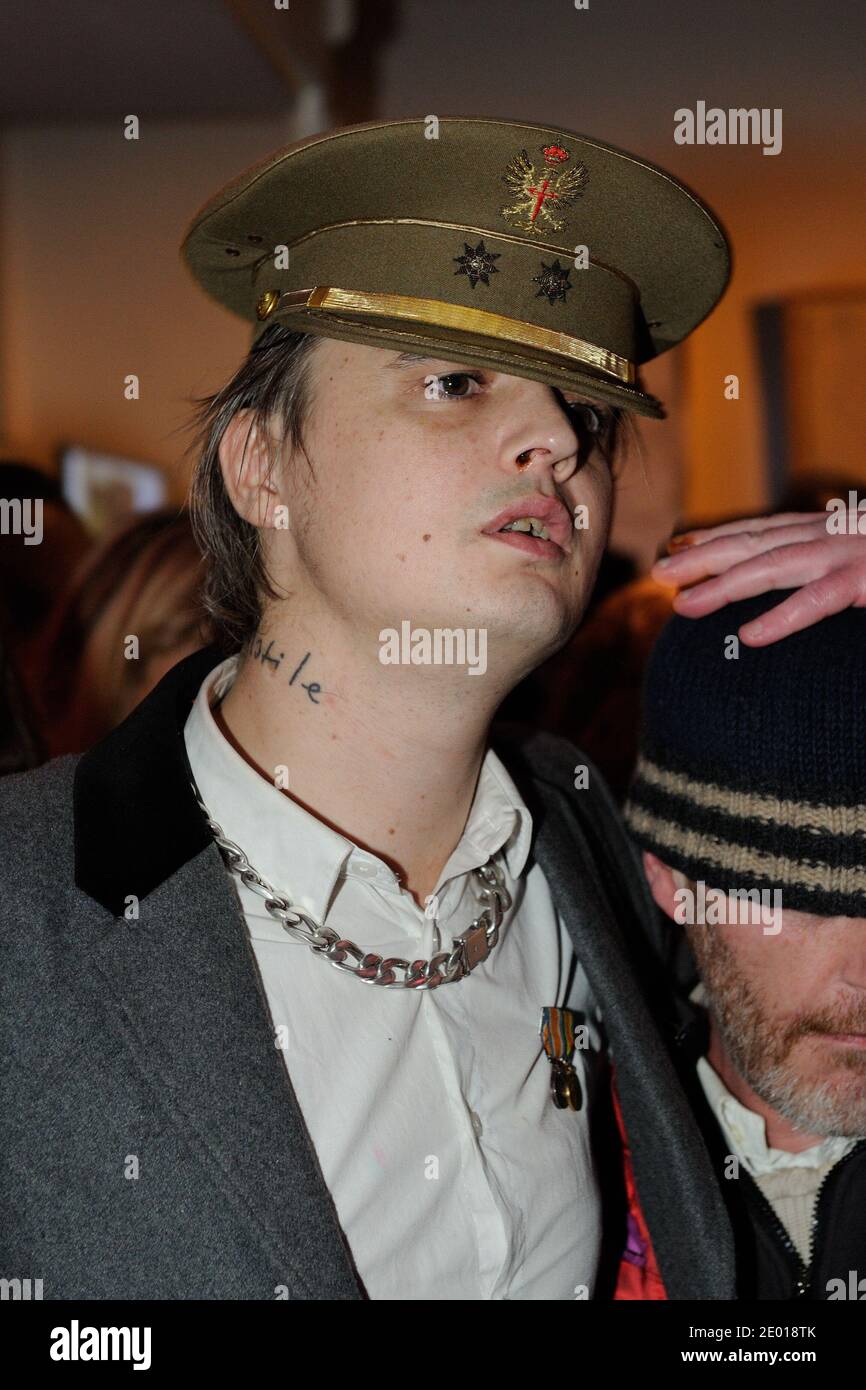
(542,193)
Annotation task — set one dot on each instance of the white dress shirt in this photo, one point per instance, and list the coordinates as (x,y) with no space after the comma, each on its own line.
(453,1174)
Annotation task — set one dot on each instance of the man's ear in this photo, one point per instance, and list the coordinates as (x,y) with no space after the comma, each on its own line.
(247,469)
(663,881)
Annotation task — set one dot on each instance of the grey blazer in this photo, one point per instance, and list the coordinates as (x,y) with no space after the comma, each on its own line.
(145,1047)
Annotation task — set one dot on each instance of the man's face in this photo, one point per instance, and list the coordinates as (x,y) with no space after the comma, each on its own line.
(412,463)
(791,1010)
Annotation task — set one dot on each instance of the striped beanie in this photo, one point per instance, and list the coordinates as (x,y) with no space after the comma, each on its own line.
(752,770)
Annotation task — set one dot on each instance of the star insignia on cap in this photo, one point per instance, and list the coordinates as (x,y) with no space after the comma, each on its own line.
(554,281)
(476,263)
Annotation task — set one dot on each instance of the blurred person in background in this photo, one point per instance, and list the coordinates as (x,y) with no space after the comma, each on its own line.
(20,747)
(130,614)
(589,692)
(34,568)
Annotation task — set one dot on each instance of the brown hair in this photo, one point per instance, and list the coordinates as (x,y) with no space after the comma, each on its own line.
(271,381)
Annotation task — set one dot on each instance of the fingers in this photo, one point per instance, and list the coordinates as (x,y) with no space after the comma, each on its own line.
(715,556)
(700,535)
(809,605)
(783,567)
(793,550)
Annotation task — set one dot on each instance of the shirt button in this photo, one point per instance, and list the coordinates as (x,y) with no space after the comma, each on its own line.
(476,1123)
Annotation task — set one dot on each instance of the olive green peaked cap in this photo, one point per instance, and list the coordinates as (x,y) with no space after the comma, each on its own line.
(466,246)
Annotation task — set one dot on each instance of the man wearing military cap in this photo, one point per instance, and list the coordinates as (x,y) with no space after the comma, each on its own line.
(411,467)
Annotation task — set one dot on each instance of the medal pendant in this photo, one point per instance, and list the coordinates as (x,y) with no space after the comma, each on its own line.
(565,1086)
(557,1033)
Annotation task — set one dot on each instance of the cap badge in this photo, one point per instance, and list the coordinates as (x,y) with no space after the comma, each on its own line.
(554,281)
(542,193)
(477,263)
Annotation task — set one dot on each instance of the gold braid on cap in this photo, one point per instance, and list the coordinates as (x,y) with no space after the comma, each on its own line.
(443,315)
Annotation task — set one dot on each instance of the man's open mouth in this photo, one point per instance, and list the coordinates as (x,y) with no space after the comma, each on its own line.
(539,525)
(530,525)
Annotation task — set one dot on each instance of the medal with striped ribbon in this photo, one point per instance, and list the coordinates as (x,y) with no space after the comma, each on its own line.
(557,1033)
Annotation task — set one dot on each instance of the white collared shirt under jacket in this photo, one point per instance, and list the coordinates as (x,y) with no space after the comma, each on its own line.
(453,1174)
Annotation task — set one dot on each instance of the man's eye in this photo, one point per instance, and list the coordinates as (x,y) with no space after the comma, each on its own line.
(454,386)
(588,417)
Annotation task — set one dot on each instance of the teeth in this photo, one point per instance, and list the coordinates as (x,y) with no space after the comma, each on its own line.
(528,524)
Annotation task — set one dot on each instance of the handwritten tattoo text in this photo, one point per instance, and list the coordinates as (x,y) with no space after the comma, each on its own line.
(268,657)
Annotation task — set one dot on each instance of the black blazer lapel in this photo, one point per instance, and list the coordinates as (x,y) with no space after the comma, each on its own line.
(136,819)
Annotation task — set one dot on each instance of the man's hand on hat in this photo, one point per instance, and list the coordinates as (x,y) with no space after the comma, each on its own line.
(791,550)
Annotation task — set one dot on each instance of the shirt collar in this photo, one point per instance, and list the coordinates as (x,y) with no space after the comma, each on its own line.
(276,831)
(746,1130)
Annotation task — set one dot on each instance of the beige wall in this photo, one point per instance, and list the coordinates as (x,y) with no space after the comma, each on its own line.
(796,226)
(93,288)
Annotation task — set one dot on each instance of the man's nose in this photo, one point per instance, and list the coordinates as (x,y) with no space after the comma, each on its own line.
(540,437)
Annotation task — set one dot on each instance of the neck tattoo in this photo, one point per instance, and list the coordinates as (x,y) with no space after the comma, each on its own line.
(273,661)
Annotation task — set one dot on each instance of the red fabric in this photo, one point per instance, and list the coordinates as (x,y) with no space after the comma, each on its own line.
(639,1276)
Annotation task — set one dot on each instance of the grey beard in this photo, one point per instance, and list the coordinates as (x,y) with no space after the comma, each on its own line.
(761,1055)
(818,1109)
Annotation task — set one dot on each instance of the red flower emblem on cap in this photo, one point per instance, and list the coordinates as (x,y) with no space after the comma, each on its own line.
(555,154)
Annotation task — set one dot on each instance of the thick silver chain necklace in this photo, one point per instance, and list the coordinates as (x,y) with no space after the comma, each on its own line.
(446,967)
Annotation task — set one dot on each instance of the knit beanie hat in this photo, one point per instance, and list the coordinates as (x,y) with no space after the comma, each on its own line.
(752,767)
